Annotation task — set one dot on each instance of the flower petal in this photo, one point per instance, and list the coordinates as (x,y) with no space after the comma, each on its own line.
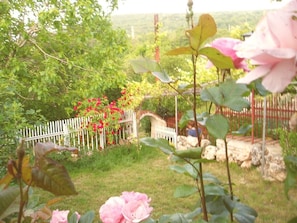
(255,74)
(280,76)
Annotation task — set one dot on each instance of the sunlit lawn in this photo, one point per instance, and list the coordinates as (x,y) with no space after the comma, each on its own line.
(98,177)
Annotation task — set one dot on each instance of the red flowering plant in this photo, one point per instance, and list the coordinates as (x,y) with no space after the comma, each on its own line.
(101,116)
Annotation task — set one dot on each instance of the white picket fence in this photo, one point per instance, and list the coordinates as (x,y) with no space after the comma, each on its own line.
(69,132)
(166,133)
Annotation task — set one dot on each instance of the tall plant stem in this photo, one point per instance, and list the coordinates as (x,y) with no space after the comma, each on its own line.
(202,195)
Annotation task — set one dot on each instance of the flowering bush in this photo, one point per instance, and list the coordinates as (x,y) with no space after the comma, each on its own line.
(101,114)
(273,49)
(130,207)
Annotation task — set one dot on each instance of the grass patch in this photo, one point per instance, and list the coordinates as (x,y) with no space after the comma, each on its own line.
(146,170)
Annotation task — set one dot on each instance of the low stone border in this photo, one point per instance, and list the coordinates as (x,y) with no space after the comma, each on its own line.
(245,154)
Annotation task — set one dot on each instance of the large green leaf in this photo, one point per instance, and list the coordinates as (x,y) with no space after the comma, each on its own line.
(212,94)
(42,149)
(218,126)
(187,169)
(241,212)
(205,28)
(53,177)
(185,191)
(189,116)
(10,200)
(162,144)
(244,214)
(208,27)
(163,77)
(228,94)
(145,65)
(218,59)
(87,217)
(191,153)
(214,189)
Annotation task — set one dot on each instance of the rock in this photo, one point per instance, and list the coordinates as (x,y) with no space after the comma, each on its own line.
(192,141)
(246,164)
(256,154)
(210,152)
(205,143)
(274,168)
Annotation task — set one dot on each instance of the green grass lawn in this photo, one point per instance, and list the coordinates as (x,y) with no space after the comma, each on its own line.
(146,170)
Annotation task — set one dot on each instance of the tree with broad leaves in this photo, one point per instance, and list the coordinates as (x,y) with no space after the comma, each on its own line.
(54,53)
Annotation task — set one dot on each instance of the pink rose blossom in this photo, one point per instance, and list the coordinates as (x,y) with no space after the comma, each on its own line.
(130,196)
(130,207)
(273,48)
(111,210)
(136,211)
(227,47)
(59,216)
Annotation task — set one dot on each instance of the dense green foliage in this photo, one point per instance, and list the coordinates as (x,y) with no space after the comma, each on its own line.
(53,55)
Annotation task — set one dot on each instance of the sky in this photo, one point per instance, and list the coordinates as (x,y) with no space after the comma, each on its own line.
(203,6)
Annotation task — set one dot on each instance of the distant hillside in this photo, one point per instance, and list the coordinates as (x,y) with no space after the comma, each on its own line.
(144,23)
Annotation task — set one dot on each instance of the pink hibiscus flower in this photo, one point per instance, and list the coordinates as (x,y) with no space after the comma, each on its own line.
(273,49)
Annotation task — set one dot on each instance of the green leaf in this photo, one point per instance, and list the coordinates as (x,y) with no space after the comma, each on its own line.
(205,28)
(228,94)
(185,191)
(244,214)
(233,95)
(214,189)
(189,116)
(163,77)
(162,144)
(208,27)
(218,59)
(211,178)
(42,149)
(217,125)
(178,169)
(212,94)
(87,217)
(144,65)
(10,200)
(192,153)
(53,177)
(244,129)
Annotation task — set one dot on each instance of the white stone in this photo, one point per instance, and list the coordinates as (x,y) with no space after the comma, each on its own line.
(209,152)
(205,143)
(192,141)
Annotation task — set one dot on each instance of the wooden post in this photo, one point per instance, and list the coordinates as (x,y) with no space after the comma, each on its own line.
(253,116)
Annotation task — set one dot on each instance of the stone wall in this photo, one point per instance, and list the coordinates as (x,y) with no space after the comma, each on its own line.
(245,154)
